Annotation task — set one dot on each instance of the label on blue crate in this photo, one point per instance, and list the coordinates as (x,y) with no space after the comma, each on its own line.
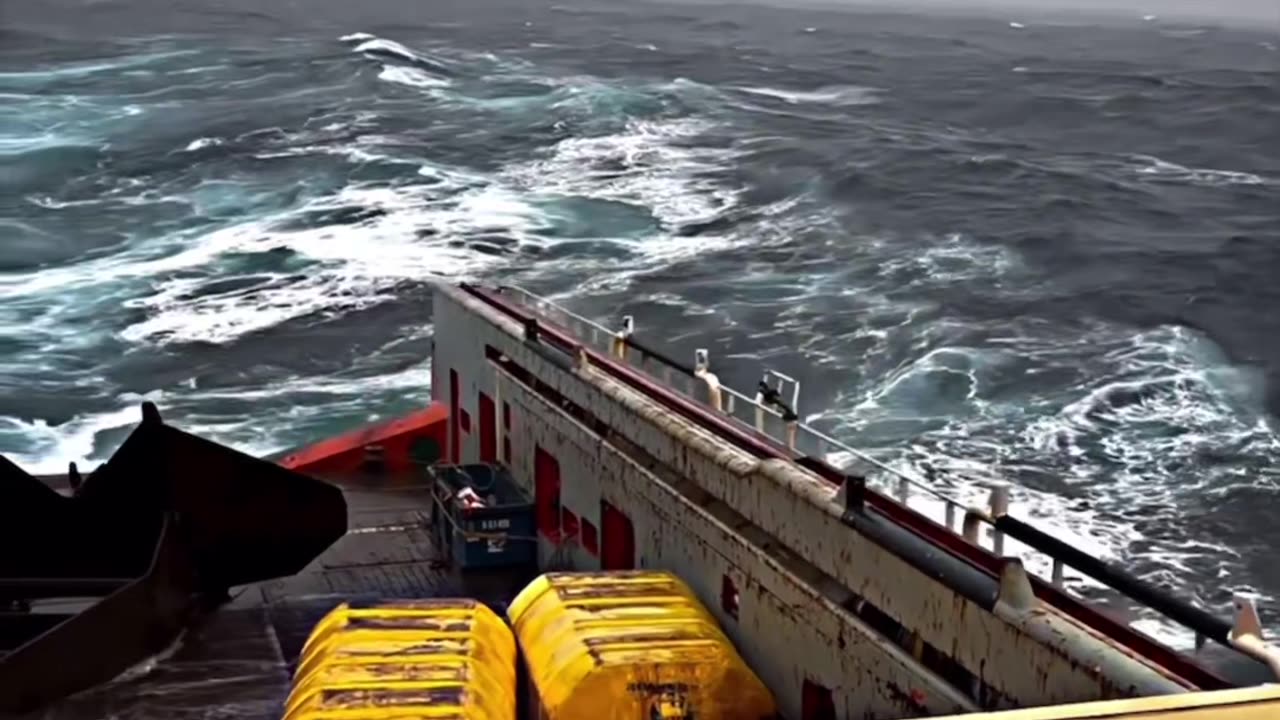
(498,524)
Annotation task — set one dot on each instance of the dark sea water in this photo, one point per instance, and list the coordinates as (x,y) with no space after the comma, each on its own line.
(1045,253)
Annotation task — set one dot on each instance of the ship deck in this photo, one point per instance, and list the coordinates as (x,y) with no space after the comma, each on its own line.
(238,662)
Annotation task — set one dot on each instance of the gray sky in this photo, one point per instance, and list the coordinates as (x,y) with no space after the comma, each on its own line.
(1264,13)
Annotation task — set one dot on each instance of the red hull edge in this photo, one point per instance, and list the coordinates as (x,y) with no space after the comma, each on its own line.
(395,445)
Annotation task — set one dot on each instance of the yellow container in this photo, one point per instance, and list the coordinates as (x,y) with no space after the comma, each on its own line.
(633,645)
(405,660)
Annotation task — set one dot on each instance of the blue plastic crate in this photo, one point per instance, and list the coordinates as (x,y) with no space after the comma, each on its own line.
(505,523)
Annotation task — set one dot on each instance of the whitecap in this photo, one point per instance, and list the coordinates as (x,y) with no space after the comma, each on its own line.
(358,265)
(411,76)
(383,47)
(651,164)
(203,143)
(1147,406)
(1165,171)
(839,95)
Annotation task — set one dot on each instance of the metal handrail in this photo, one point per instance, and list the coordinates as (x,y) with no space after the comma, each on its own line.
(600,331)
(960,517)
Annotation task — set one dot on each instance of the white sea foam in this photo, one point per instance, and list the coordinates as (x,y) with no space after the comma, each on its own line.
(1125,438)
(657,165)
(411,76)
(836,95)
(1165,171)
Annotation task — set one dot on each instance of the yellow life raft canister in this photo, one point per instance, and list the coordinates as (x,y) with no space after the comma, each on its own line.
(410,658)
(632,645)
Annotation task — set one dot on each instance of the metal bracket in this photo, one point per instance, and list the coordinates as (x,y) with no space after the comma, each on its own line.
(1015,586)
(852,494)
(999,508)
(618,345)
(702,371)
(531,330)
(1246,633)
(74,479)
(1247,621)
(773,376)
(790,414)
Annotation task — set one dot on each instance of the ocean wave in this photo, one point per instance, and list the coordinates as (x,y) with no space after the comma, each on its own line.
(648,163)
(396,235)
(1164,171)
(835,95)
(46,76)
(1113,454)
(249,229)
(411,76)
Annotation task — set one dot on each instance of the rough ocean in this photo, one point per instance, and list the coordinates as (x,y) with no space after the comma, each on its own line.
(989,246)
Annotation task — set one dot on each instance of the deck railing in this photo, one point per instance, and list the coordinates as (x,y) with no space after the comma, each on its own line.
(755,413)
(752,414)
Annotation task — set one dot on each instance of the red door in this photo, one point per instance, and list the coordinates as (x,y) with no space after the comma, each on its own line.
(816,702)
(617,539)
(455,431)
(488,430)
(546,493)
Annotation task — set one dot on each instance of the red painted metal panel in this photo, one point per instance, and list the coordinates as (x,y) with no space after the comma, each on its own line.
(729,596)
(568,523)
(590,540)
(617,539)
(405,442)
(816,702)
(488,429)
(546,493)
(455,432)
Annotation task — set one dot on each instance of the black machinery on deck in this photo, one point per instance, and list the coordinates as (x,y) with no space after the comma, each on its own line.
(94,582)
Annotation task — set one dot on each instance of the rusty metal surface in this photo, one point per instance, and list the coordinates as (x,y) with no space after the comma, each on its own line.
(237,663)
(578,336)
(789,625)
(1027,657)
(1253,703)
